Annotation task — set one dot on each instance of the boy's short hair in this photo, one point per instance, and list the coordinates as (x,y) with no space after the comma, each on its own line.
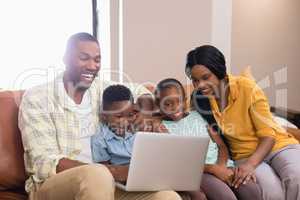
(167,84)
(115,93)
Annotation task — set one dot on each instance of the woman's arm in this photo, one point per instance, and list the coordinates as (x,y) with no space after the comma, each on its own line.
(263,149)
(262,119)
(245,171)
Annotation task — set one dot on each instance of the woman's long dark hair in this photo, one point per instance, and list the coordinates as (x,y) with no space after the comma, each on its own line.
(212,58)
(202,105)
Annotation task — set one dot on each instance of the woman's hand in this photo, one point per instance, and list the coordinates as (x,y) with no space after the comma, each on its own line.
(243,174)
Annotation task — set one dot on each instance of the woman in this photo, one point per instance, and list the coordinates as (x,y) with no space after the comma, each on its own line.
(239,107)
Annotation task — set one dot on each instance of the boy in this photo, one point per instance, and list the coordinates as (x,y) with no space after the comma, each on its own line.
(113,142)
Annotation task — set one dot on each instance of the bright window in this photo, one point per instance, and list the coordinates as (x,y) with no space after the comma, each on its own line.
(33,38)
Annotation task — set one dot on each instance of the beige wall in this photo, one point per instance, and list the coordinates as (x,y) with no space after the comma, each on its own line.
(266,35)
(158,34)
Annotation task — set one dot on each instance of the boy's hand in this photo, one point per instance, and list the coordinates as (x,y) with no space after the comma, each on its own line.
(119,172)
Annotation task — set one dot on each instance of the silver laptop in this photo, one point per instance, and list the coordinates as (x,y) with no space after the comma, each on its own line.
(166,162)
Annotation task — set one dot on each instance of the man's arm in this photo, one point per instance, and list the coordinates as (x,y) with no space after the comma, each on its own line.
(41,151)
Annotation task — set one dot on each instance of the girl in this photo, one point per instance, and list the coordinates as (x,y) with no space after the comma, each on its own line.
(170,97)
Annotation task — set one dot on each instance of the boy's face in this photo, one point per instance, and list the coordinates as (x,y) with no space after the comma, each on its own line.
(172,103)
(118,116)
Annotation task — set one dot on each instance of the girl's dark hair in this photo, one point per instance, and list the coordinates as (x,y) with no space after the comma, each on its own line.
(210,57)
(166,84)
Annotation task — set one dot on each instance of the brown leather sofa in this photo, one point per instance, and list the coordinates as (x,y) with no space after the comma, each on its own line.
(12,172)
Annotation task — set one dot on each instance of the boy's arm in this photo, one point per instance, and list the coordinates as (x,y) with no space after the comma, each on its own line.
(99,148)
(119,172)
(101,155)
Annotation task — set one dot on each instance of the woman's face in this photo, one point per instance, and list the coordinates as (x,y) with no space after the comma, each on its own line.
(204,80)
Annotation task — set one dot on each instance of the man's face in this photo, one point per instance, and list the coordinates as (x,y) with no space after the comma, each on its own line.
(119,116)
(83,63)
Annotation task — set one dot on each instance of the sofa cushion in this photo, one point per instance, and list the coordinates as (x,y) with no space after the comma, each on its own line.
(12,171)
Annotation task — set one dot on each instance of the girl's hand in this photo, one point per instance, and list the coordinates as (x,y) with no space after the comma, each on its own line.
(243,174)
(224,173)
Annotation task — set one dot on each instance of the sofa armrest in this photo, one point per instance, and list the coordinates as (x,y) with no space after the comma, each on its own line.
(291,115)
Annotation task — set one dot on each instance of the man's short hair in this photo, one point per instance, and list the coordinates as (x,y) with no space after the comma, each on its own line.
(115,93)
(78,37)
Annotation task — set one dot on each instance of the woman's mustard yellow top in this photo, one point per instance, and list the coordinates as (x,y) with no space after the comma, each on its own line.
(247,117)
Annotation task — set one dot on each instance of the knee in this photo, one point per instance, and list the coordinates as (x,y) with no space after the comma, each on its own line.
(249,191)
(95,182)
(96,174)
(166,195)
(292,180)
(273,192)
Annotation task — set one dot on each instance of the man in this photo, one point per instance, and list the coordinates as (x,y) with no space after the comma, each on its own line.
(57,120)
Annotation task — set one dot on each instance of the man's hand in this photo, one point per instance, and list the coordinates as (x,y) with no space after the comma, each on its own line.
(243,174)
(119,172)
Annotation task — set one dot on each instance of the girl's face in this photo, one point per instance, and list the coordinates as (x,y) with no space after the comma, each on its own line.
(172,103)
(205,81)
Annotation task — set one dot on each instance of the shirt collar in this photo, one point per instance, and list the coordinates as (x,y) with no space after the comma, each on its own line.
(61,93)
(109,135)
(233,94)
(233,87)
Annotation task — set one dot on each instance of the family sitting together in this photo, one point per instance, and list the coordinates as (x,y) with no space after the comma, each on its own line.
(78,131)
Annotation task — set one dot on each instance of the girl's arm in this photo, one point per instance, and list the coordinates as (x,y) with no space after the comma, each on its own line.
(223,154)
(220,169)
(222,172)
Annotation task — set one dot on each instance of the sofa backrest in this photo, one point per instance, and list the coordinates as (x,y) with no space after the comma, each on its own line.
(12,171)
